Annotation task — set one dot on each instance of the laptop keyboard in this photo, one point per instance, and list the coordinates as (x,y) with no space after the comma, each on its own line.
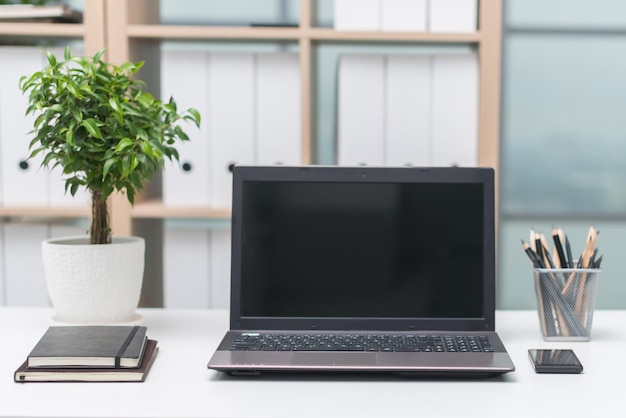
(362,342)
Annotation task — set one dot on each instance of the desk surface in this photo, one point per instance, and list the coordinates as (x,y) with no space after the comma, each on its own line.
(180,385)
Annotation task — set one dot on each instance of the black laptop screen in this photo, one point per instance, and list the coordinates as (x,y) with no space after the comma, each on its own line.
(361,249)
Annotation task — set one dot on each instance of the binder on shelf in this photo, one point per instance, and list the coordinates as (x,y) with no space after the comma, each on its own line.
(185,76)
(220,268)
(3,284)
(403,15)
(453,16)
(25,284)
(408,110)
(186,267)
(278,109)
(361,110)
(231,120)
(23,181)
(455,110)
(231,116)
(357,15)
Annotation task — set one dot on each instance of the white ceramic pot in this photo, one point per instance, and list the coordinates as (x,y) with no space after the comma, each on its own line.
(94,284)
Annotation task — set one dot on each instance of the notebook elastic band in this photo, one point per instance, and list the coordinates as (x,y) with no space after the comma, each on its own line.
(124,346)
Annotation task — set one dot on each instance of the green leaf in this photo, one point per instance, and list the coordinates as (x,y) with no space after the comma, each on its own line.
(98,56)
(115,104)
(69,137)
(77,115)
(92,127)
(196,115)
(130,195)
(123,144)
(74,189)
(39,120)
(107,167)
(145,99)
(52,60)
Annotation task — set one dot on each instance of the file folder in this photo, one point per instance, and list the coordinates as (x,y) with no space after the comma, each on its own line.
(453,16)
(186,268)
(455,110)
(3,284)
(231,120)
(220,268)
(361,110)
(357,15)
(23,181)
(185,76)
(278,109)
(403,15)
(25,282)
(408,110)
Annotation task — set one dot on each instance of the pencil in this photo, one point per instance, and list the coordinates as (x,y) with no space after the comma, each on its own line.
(534,258)
(558,249)
(568,251)
(587,256)
(545,249)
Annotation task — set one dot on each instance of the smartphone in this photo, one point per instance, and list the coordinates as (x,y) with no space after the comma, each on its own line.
(555,361)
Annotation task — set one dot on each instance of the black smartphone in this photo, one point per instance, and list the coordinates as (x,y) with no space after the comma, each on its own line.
(555,361)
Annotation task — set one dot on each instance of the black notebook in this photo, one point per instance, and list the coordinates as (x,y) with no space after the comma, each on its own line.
(89,346)
(365,269)
(90,374)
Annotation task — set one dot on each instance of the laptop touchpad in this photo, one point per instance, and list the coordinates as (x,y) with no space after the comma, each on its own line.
(334,359)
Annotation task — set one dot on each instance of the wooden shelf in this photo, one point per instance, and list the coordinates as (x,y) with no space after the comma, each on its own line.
(331,35)
(60,30)
(290,34)
(45,211)
(211,32)
(156,209)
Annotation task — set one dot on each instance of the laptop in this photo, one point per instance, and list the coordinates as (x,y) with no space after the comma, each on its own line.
(362,269)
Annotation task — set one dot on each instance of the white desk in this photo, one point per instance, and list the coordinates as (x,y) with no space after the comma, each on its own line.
(180,385)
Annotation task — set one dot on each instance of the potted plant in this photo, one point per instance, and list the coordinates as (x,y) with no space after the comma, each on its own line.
(97,123)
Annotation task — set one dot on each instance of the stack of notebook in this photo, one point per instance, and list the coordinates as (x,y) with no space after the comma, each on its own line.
(90,354)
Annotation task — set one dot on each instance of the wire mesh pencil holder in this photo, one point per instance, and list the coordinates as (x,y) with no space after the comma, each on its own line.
(566,300)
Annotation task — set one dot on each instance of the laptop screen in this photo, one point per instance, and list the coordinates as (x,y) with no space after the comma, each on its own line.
(333,246)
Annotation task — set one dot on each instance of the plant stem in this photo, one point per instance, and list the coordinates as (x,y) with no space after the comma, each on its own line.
(99,232)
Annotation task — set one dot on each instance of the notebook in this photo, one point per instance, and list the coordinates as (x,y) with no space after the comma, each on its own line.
(362,269)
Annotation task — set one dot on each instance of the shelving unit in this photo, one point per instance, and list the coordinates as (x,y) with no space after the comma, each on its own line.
(131,30)
(139,27)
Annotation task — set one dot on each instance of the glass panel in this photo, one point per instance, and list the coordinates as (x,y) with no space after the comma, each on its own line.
(515,280)
(563,148)
(566,13)
(230,13)
(324,13)
(74,4)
